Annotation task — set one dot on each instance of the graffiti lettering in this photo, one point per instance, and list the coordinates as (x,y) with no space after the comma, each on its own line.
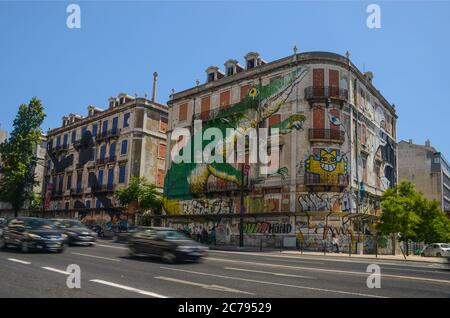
(267,228)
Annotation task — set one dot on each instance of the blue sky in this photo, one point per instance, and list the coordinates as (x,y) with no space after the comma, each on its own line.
(121,43)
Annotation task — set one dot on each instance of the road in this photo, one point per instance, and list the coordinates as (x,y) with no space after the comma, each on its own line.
(107,271)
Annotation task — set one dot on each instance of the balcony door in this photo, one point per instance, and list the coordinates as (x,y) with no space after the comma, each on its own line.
(115,124)
(318,82)
(333,80)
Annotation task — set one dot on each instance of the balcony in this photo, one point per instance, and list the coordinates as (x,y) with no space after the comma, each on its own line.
(327,135)
(325,93)
(105,188)
(106,135)
(59,149)
(57,194)
(76,192)
(102,161)
(326,180)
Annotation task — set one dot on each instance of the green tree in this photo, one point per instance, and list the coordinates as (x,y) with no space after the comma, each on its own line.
(18,155)
(407,212)
(140,195)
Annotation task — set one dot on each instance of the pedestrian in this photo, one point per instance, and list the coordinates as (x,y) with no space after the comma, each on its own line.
(199,233)
(335,243)
(204,235)
(213,235)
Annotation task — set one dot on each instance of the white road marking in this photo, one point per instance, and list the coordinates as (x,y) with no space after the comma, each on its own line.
(131,289)
(99,257)
(56,270)
(264,272)
(274,284)
(19,261)
(329,270)
(111,246)
(211,287)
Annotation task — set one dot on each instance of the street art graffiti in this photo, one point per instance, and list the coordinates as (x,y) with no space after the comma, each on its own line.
(326,163)
(185,181)
(208,206)
(267,228)
(322,201)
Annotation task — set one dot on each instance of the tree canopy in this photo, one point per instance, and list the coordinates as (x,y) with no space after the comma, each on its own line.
(407,212)
(18,155)
(140,194)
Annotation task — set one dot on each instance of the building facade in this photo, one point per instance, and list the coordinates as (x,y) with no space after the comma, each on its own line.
(427,169)
(337,149)
(89,157)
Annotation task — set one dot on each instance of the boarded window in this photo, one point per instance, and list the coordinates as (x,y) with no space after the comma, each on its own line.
(318,82)
(334,83)
(318,118)
(205,106)
(274,119)
(244,91)
(163,124)
(182,115)
(162,151)
(160,178)
(224,99)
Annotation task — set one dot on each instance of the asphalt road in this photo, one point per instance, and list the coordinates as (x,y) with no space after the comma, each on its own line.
(107,271)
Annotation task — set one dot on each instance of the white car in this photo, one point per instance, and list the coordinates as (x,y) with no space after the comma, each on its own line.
(436,249)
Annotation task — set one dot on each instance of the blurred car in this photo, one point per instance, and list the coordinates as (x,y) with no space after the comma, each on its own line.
(77,233)
(3,222)
(167,243)
(32,234)
(437,250)
(97,229)
(124,235)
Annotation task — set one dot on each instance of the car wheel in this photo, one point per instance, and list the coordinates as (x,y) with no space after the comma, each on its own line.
(438,255)
(168,257)
(24,247)
(61,250)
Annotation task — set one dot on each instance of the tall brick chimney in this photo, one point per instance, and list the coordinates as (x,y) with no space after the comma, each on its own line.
(155,77)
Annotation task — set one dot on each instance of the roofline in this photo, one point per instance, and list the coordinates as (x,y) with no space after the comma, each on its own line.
(289,61)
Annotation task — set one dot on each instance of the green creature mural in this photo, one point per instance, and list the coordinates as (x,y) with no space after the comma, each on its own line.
(187,180)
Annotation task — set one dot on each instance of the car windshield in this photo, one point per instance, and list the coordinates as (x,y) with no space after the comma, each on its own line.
(68,223)
(34,224)
(173,235)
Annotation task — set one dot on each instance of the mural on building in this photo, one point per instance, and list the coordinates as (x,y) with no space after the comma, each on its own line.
(184,181)
(327,163)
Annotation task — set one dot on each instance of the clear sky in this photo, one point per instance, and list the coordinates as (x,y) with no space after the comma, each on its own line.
(121,43)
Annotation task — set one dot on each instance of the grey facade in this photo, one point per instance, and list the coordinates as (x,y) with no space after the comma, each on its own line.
(427,169)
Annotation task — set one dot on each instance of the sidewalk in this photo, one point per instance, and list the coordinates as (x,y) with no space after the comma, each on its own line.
(411,258)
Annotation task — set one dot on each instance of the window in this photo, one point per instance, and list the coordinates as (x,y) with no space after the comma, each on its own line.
(122,170)
(115,124)
(60,183)
(182,113)
(224,99)
(102,152)
(251,63)
(58,141)
(100,178)
(124,147)
(112,151)
(110,177)
(436,160)
(94,130)
(205,106)
(160,178)
(69,182)
(65,140)
(98,204)
(244,91)
(162,151)
(126,119)
(211,77)
(230,70)
(74,136)
(163,123)
(83,132)
(79,181)
(88,204)
(104,128)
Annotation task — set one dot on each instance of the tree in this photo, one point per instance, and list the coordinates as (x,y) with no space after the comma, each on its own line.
(19,157)
(140,195)
(407,212)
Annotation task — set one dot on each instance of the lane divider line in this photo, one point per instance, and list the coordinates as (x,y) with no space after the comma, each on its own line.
(270,273)
(19,261)
(131,289)
(111,246)
(205,286)
(95,256)
(274,283)
(56,270)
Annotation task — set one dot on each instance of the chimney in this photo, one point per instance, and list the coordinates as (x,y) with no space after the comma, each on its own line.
(428,143)
(369,76)
(155,77)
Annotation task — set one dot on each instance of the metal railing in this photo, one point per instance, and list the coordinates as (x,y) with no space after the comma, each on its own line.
(326,180)
(321,134)
(320,92)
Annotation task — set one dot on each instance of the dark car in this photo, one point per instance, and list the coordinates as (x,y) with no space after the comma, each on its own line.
(124,235)
(32,234)
(167,243)
(77,233)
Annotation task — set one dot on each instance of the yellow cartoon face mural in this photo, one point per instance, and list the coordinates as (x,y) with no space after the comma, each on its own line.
(327,163)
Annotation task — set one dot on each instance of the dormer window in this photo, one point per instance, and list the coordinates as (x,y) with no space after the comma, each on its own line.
(211,77)
(230,70)
(253,60)
(251,63)
(213,73)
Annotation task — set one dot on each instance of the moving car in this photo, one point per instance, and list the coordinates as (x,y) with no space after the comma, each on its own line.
(124,236)
(77,233)
(32,234)
(167,243)
(436,249)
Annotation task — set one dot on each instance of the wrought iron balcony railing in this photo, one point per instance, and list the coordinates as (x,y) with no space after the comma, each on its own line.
(320,134)
(326,180)
(104,135)
(104,188)
(326,92)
